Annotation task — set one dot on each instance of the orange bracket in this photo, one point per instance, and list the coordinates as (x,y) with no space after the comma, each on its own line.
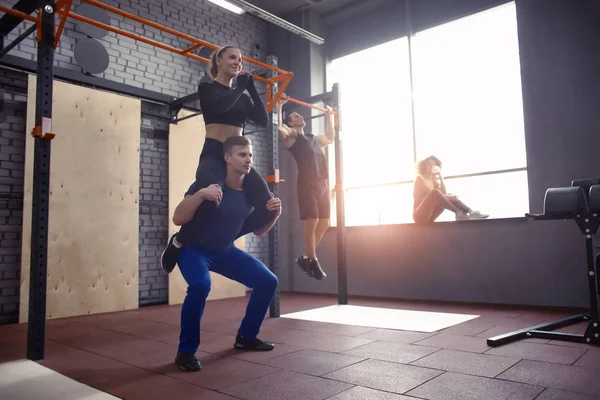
(59,5)
(192,48)
(44,129)
(274,178)
(285,81)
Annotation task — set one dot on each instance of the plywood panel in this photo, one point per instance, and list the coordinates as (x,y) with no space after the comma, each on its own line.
(93,256)
(186,140)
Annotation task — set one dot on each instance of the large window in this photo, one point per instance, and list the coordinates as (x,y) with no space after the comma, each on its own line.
(467,103)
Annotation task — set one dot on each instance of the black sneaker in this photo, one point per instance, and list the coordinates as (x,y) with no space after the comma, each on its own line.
(316,271)
(256,344)
(168,258)
(187,362)
(304,263)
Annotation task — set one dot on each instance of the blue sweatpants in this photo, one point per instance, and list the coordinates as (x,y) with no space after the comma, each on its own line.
(235,264)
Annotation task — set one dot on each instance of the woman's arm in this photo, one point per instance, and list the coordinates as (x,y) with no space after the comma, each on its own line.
(442,185)
(256,109)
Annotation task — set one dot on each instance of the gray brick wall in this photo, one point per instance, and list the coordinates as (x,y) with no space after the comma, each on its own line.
(140,65)
(154,202)
(12,153)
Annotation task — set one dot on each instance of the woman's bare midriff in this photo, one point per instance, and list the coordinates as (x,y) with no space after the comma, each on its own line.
(221,132)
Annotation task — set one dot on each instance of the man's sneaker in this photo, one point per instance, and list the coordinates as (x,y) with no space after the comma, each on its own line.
(256,344)
(168,258)
(304,263)
(187,362)
(316,271)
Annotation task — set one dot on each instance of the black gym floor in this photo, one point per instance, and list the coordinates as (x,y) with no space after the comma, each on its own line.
(130,355)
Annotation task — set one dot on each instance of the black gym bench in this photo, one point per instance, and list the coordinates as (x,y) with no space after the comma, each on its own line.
(579,202)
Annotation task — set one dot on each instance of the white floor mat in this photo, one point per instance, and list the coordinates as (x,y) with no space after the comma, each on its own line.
(27,380)
(386,318)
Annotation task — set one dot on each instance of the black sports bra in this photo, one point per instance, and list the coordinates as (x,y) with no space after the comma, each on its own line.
(223,105)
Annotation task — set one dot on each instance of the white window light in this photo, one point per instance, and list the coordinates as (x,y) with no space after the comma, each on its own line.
(228,5)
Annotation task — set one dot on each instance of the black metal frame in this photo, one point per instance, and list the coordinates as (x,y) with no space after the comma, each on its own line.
(339,197)
(588,223)
(19,39)
(9,22)
(79,78)
(176,105)
(274,307)
(41,188)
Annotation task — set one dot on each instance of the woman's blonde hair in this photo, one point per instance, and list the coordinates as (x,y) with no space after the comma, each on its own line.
(213,67)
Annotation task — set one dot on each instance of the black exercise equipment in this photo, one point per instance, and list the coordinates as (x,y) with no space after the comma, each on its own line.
(581,203)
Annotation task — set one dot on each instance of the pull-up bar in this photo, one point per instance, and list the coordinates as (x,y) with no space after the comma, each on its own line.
(63,7)
(302,103)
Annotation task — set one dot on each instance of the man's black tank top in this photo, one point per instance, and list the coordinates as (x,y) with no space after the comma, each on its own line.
(312,163)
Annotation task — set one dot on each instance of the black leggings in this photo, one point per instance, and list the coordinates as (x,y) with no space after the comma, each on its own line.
(434,204)
(213,169)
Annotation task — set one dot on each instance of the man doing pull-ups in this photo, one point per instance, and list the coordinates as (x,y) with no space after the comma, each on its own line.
(313,181)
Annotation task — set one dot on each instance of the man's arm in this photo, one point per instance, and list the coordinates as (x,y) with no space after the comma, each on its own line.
(328,136)
(187,207)
(286,134)
(273,205)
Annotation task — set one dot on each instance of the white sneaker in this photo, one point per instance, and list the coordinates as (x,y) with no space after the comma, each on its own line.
(478,215)
(462,216)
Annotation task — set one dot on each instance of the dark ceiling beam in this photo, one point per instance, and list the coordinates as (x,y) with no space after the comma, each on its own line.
(352,10)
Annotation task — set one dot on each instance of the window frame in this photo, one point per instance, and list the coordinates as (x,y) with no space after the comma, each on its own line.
(330,153)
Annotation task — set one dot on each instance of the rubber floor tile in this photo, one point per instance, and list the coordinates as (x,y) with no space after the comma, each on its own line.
(454,386)
(563,377)
(138,384)
(467,363)
(313,362)
(384,375)
(221,372)
(394,352)
(590,360)
(389,335)
(538,352)
(287,385)
(362,393)
(553,394)
(456,342)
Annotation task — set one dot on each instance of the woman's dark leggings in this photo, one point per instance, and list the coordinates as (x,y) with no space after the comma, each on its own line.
(212,169)
(434,204)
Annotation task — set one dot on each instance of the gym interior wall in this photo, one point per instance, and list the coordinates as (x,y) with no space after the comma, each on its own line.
(512,261)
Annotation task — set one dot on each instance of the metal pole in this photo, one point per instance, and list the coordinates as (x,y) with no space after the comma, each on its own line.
(411,75)
(274,310)
(41,187)
(339,197)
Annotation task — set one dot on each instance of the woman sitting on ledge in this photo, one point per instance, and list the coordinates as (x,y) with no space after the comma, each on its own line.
(431,198)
